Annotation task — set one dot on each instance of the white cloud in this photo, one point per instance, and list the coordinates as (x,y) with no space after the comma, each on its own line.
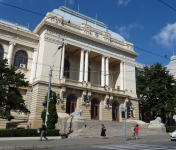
(125,30)
(123,2)
(167,36)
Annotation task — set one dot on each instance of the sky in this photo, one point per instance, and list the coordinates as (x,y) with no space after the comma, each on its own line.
(148,24)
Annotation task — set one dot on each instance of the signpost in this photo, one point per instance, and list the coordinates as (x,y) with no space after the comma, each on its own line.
(123,110)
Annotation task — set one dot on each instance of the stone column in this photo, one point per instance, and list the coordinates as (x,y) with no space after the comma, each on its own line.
(86,66)
(9,57)
(102,71)
(62,62)
(121,75)
(107,71)
(81,69)
(33,66)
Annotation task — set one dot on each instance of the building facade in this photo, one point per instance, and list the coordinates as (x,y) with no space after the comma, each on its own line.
(95,69)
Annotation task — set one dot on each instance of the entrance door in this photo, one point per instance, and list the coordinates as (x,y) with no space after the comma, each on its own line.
(95,109)
(71,104)
(115,111)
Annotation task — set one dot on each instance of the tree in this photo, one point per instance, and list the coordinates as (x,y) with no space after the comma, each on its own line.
(155,86)
(43,115)
(52,117)
(10,96)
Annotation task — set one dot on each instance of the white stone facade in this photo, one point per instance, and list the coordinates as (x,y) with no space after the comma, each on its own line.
(87,67)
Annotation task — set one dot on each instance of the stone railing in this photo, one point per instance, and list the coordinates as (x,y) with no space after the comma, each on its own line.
(89,86)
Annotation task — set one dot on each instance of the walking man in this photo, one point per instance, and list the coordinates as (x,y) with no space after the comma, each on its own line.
(133,131)
(43,130)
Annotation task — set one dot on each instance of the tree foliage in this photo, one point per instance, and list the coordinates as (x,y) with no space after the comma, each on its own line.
(155,86)
(52,117)
(10,96)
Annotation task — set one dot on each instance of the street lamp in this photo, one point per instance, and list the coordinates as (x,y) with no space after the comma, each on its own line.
(49,87)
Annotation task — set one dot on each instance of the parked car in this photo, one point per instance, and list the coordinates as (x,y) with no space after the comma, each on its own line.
(173,135)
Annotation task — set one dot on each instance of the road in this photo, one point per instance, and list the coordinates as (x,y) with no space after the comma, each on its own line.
(170,145)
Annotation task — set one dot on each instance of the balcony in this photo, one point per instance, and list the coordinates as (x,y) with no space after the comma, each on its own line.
(64,82)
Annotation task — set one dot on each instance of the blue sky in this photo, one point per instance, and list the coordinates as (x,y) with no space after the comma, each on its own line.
(148,24)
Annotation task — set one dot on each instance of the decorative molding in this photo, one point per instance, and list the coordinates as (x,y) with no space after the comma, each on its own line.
(12,43)
(70,29)
(55,41)
(18,31)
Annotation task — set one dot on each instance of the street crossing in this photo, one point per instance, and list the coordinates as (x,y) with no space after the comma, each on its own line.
(135,147)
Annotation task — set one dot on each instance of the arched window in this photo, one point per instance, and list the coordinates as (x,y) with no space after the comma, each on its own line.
(89,74)
(21,58)
(66,68)
(1,52)
(71,104)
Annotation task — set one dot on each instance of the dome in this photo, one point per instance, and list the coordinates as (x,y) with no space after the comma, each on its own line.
(173,58)
(78,18)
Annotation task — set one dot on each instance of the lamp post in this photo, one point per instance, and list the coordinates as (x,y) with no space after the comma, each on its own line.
(49,87)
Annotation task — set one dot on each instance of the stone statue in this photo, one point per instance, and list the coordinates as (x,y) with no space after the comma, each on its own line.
(156,122)
(77,114)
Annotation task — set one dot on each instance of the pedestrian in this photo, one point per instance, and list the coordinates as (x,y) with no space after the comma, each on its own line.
(43,130)
(133,131)
(136,130)
(103,129)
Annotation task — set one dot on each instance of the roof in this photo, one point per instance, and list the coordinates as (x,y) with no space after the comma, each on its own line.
(14,24)
(172,65)
(78,19)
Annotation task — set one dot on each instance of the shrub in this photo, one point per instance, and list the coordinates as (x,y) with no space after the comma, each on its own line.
(26,132)
(170,128)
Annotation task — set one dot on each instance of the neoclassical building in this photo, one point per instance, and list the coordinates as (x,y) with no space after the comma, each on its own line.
(95,69)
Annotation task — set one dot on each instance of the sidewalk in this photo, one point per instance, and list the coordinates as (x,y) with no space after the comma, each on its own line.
(52,142)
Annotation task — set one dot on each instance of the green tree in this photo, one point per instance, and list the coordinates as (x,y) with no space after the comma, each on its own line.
(10,96)
(43,115)
(52,117)
(155,86)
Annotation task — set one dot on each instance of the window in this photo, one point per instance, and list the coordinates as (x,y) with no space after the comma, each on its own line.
(89,74)
(1,52)
(71,104)
(21,58)
(66,68)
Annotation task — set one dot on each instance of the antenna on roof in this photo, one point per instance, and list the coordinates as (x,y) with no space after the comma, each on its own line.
(28,25)
(78,8)
(173,53)
(65,3)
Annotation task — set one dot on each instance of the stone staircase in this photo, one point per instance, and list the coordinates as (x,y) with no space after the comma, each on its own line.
(113,129)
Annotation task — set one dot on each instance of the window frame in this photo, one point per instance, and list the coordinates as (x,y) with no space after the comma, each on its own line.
(68,73)
(2,52)
(21,57)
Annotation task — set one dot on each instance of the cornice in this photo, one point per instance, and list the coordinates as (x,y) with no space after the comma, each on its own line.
(18,31)
(90,38)
(18,41)
(59,25)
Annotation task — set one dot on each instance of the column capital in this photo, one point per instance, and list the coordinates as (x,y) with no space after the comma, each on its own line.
(12,43)
(122,61)
(35,49)
(87,50)
(82,49)
(105,56)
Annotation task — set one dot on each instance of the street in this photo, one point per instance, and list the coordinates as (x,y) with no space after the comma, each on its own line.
(170,145)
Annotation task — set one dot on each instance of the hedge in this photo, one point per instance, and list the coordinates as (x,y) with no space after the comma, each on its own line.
(26,132)
(170,128)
